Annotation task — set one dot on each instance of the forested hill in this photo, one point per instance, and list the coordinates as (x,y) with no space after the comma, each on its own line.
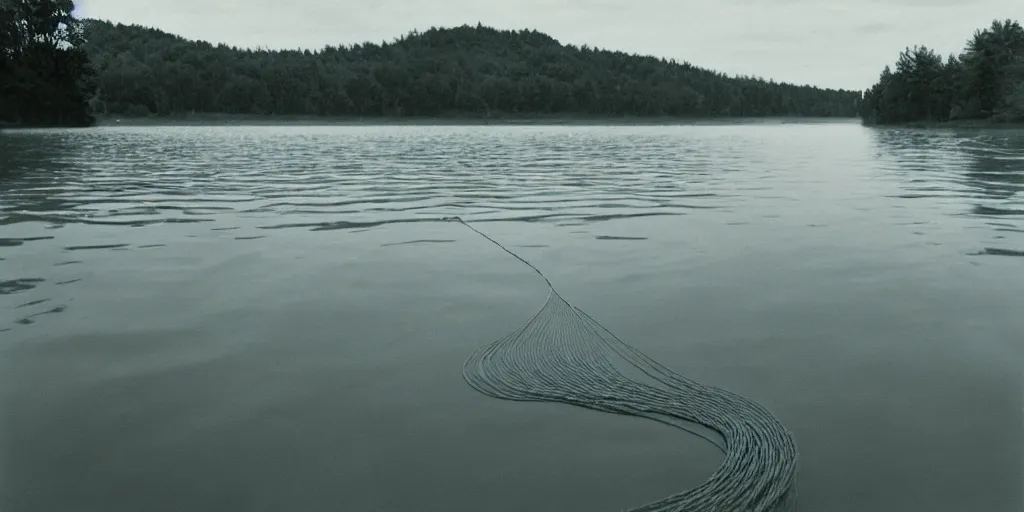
(456,71)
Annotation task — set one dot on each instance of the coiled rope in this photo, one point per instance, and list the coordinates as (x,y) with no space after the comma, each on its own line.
(564,355)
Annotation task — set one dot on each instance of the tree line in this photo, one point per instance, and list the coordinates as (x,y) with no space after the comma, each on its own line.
(986,81)
(45,75)
(467,70)
(58,70)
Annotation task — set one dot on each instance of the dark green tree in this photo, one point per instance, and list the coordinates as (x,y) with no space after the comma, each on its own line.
(45,75)
(985,82)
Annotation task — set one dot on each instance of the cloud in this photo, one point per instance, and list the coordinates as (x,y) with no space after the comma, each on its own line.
(875,28)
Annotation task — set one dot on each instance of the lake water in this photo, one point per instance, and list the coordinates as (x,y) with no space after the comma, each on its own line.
(273,318)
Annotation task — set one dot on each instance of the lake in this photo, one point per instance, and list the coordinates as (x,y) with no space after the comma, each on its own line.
(214,318)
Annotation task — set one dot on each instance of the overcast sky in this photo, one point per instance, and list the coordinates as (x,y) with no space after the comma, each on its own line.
(829,43)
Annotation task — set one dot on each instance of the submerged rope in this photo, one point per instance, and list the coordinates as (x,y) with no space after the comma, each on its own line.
(564,355)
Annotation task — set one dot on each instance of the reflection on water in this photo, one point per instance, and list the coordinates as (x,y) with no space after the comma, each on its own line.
(284,300)
(980,171)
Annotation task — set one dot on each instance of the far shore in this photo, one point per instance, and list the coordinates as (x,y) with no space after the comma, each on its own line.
(512,120)
(553,120)
(967,123)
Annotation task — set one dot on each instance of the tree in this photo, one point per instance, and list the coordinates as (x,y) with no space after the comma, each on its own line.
(45,75)
(985,82)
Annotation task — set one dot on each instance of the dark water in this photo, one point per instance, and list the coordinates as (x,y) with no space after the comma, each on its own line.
(269,318)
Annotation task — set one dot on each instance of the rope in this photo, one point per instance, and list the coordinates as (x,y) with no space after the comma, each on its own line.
(564,355)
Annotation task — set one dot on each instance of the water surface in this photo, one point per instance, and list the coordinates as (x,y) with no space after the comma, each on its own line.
(273,318)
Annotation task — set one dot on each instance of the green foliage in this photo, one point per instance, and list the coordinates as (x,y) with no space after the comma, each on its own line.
(985,82)
(45,75)
(457,71)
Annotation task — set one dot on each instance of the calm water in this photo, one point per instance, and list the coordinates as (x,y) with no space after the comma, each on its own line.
(270,318)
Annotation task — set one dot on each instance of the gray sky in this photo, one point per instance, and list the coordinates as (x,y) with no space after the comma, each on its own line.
(829,43)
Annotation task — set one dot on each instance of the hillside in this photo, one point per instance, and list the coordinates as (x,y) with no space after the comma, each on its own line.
(476,71)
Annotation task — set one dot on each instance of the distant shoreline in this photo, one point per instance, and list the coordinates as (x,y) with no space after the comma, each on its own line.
(540,120)
(509,120)
(959,123)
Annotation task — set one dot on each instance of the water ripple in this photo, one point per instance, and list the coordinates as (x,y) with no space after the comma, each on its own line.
(30,319)
(424,241)
(994,251)
(13,286)
(14,242)
(610,237)
(138,177)
(989,210)
(94,247)
(94,192)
